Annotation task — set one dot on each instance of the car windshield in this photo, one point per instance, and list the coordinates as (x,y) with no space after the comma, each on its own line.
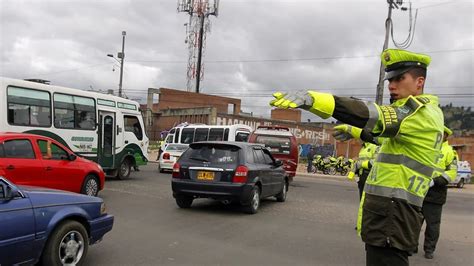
(276,144)
(213,154)
(176,147)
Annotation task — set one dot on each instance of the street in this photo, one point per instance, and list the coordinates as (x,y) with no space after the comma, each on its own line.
(315,226)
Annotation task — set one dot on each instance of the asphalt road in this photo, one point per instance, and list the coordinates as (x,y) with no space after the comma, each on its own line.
(315,226)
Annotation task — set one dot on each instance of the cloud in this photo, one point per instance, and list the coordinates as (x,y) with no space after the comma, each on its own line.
(254,47)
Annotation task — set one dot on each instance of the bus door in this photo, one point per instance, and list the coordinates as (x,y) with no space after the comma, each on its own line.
(106,146)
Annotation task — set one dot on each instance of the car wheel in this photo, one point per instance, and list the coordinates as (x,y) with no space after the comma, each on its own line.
(124,170)
(254,201)
(67,244)
(344,172)
(461,183)
(90,186)
(184,202)
(281,197)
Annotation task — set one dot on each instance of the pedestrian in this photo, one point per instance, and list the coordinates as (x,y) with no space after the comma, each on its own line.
(310,157)
(390,215)
(436,197)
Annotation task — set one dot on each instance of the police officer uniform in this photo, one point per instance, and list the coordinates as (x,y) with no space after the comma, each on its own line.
(366,160)
(390,216)
(436,197)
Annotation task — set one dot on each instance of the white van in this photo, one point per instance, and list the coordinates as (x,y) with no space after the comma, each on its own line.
(187,134)
(464,174)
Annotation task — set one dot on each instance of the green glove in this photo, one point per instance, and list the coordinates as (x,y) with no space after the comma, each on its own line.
(346,132)
(320,104)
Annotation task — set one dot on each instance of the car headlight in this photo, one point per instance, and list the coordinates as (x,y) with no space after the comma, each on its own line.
(103,209)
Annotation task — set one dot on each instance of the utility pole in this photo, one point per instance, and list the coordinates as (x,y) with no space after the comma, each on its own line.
(122,57)
(198,72)
(379,94)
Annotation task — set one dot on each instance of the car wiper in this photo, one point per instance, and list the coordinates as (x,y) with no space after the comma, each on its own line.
(199,159)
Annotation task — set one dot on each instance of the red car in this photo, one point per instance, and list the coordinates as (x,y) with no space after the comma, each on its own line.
(34,160)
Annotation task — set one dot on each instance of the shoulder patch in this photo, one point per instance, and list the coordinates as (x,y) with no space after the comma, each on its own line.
(423,100)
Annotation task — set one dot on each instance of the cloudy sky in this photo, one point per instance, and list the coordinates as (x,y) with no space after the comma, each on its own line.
(254,48)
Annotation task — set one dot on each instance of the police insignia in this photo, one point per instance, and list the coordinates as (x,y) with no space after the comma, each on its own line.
(387,56)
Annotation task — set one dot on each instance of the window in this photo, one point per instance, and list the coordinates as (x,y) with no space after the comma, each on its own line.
(216,134)
(201,134)
(226,156)
(176,136)
(126,106)
(249,155)
(55,152)
(267,157)
(259,156)
(226,134)
(2,195)
(19,148)
(74,112)
(242,136)
(2,153)
(187,135)
(276,144)
(28,107)
(106,102)
(132,124)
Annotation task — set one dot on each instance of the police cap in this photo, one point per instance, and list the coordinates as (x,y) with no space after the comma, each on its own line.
(397,61)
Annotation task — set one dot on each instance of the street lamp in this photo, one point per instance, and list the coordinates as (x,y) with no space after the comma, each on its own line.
(120,55)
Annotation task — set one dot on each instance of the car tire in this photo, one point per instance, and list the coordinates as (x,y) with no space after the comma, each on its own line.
(90,186)
(67,244)
(254,200)
(281,197)
(124,169)
(184,202)
(460,183)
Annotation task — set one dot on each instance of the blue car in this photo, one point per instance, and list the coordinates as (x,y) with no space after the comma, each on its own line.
(51,226)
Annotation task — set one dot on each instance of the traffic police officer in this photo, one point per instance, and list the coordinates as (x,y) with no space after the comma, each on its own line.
(390,214)
(367,153)
(436,197)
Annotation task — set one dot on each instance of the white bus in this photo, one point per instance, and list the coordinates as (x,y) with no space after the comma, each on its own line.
(104,128)
(187,134)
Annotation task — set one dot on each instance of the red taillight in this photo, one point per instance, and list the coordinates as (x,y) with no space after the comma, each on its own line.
(166,156)
(175,173)
(240,175)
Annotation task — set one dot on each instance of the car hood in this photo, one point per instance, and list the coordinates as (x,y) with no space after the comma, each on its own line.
(40,196)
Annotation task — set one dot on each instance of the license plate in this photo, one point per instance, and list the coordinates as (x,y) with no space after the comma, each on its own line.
(205,176)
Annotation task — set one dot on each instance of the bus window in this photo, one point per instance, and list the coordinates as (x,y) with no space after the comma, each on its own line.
(215,134)
(187,135)
(176,136)
(28,107)
(132,124)
(226,134)
(242,136)
(201,134)
(72,111)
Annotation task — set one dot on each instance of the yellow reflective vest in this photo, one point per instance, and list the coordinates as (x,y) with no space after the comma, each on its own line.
(390,209)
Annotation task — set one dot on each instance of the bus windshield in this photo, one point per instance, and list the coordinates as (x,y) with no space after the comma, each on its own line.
(276,144)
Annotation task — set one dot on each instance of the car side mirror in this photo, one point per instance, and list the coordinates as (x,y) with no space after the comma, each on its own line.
(11,192)
(8,191)
(278,163)
(72,157)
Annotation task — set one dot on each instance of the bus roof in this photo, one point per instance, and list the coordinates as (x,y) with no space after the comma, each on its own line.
(4,82)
